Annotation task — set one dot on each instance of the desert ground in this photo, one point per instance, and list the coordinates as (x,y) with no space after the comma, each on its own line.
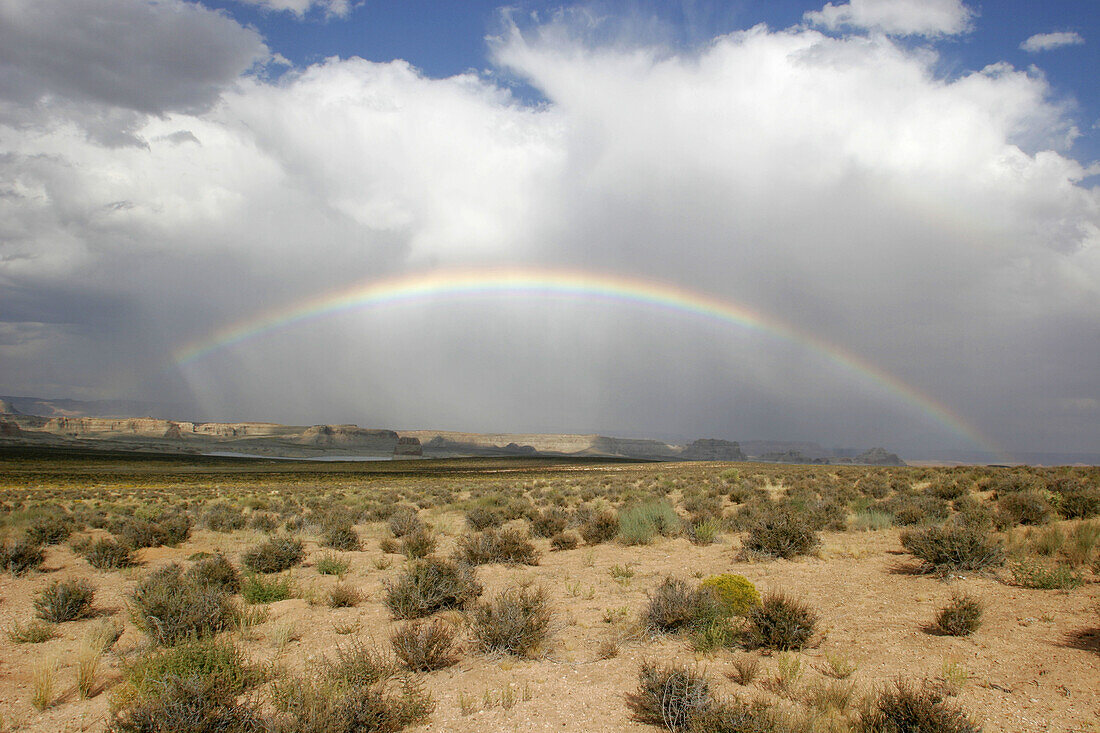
(1032,663)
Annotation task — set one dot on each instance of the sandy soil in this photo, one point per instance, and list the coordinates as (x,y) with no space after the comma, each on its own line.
(1030,668)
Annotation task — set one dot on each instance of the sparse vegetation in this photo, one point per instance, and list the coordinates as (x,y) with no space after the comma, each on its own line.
(64,600)
(431,585)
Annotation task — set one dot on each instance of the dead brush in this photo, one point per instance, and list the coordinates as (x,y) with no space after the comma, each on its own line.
(423,646)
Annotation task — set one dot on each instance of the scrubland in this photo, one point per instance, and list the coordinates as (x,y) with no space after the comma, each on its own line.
(187,594)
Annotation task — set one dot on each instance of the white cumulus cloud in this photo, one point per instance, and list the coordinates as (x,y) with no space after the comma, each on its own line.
(896,17)
(1049,41)
(331,8)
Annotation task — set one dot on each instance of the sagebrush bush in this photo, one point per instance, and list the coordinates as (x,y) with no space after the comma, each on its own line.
(342,537)
(673,696)
(909,707)
(187,705)
(781,533)
(275,555)
(550,522)
(736,592)
(404,521)
(961,617)
(951,547)
(216,571)
(50,530)
(1080,504)
(1024,507)
(169,530)
(423,646)
(506,545)
(564,541)
(224,518)
(515,621)
(780,622)
(418,543)
(430,585)
(171,607)
(20,555)
(64,600)
(600,528)
(675,606)
(358,691)
(106,554)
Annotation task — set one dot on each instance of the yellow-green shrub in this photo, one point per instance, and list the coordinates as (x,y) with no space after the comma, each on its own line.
(735,591)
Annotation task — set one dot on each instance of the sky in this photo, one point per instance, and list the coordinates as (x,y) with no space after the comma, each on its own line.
(860,223)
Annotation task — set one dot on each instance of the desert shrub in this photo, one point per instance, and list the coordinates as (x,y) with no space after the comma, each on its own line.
(106,554)
(260,589)
(423,646)
(50,530)
(506,545)
(780,622)
(672,696)
(781,533)
(418,543)
(1039,577)
(263,522)
(431,585)
(950,547)
(1023,507)
(600,528)
(274,555)
(908,707)
(948,488)
(342,537)
(171,607)
(480,518)
(639,524)
(564,541)
(703,532)
(516,621)
(872,520)
(209,658)
(330,564)
(961,617)
(359,691)
(223,518)
(187,705)
(1080,547)
(216,571)
(64,600)
(675,606)
(20,555)
(343,596)
(389,545)
(32,632)
(170,530)
(550,522)
(1080,504)
(736,592)
(404,521)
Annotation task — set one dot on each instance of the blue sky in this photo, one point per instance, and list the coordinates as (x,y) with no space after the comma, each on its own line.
(447,37)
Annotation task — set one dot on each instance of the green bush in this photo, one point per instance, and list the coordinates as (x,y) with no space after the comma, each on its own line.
(736,592)
(639,524)
(961,617)
(430,585)
(424,646)
(780,622)
(171,607)
(275,555)
(704,532)
(1038,577)
(330,564)
(64,600)
(208,658)
(261,589)
(216,571)
(516,621)
(187,705)
(781,533)
(907,707)
(33,632)
(950,547)
(505,545)
(20,556)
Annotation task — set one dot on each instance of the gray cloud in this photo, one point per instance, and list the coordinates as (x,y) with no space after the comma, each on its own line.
(935,228)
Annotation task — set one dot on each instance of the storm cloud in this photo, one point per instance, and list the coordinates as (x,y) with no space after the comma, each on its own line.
(938,228)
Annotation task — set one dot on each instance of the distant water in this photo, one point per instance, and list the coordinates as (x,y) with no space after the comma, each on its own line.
(231,454)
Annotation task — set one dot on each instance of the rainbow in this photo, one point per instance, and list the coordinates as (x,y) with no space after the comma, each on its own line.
(533,282)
